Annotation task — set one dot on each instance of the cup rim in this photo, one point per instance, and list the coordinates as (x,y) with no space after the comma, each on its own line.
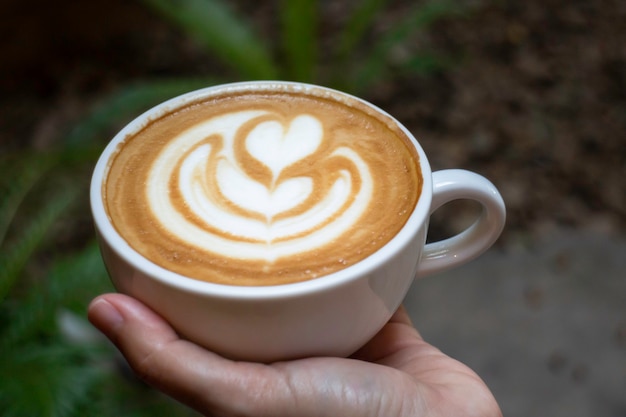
(107,232)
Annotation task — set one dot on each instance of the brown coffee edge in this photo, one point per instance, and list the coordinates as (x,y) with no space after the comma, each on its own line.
(292,271)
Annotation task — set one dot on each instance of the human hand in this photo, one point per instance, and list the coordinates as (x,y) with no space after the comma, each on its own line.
(395,374)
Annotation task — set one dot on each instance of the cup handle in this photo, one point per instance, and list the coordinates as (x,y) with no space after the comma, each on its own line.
(457,184)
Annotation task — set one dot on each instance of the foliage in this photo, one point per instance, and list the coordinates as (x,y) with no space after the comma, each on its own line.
(44,371)
(359,58)
(49,269)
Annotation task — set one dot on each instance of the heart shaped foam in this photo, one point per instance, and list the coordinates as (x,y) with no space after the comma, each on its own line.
(254,196)
(277,149)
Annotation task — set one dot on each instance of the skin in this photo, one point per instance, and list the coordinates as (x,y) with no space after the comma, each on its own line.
(395,374)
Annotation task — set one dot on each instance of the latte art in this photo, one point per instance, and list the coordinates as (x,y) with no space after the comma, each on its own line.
(262,188)
(220,203)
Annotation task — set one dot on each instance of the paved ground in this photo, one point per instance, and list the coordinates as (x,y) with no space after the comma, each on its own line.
(544,323)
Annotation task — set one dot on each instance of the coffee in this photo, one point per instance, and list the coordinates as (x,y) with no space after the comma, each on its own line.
(264,186)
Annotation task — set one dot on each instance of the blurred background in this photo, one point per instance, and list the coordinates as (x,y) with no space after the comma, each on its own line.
(530,94)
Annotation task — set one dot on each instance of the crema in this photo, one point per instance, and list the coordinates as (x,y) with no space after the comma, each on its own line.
(263,187)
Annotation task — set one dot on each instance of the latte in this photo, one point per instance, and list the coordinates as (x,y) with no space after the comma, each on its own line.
(263,187)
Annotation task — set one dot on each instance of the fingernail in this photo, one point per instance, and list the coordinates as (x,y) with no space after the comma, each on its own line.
(105,316)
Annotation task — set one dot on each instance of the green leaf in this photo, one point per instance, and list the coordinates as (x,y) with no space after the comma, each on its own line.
(361,19)
(423,15)
(14,257)
(228,36)
(71,280)
(299,22)
(21,172)
(44,380)
(86,140)
(65,380)
(428,63)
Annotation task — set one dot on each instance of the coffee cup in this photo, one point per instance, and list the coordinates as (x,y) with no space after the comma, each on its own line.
(272,220)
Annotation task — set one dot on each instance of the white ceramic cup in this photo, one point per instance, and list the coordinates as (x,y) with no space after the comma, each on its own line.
(332,315)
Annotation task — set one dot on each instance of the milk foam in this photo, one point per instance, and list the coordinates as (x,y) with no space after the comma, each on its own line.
(227,211)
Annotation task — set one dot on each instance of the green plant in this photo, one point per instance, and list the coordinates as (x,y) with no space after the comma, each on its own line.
(50,266)
(48,368)
(353,59)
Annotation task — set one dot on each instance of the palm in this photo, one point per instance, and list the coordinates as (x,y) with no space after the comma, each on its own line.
(395,374)
(409,377)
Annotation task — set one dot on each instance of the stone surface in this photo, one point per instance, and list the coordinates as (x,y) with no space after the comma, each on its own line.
(544,323)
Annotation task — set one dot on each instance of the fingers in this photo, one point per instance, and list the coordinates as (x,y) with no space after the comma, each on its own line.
(330,386)
(194,376)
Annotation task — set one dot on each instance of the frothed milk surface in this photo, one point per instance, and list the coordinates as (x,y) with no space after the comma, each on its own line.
(263,188)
